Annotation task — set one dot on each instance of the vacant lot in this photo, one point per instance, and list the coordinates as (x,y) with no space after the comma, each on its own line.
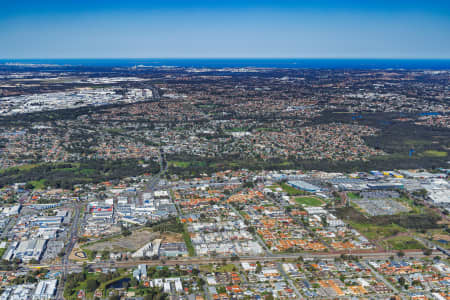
(374,232)
(170,237)
(426,220)
(133,242)
(390,230)
(121,244)
(210,268)
(404,243)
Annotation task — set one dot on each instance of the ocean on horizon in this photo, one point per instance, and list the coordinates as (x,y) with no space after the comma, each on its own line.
(291,63)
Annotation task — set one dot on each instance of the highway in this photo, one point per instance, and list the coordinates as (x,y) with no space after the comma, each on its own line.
(155,179)
(73,236)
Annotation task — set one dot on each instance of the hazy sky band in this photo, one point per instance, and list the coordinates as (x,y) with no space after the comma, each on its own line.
(347,29)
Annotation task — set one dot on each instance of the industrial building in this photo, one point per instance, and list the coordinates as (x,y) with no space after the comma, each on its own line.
(173,249)
(28,250)
(149,250)
(101,210)
(18,292)
(45,290)
(140,273)
(47,221)
(385,186)
(438,191)
(168,284)
(304,186)
(11,210)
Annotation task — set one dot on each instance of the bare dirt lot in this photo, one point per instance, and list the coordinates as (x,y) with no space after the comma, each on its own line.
(133,242)
(124,244)
(170,237)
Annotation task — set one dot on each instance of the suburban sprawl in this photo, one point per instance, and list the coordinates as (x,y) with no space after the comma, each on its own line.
(161,182)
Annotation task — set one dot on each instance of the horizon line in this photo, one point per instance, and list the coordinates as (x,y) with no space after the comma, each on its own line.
(199,57)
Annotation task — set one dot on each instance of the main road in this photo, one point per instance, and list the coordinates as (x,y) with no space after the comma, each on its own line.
(219,259)
(154,181)
(65,264)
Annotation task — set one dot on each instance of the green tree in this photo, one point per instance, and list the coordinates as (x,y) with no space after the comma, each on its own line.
(200,281)
(92,255)
(91,285)
(258,267)
(105,254)
(125,231)
(134,282)
(427,252)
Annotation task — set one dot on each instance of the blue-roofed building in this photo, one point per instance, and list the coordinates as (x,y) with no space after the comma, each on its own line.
(304,186)
(385,186)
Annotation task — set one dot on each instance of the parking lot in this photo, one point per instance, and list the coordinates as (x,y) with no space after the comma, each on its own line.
(379,194)
(378,207)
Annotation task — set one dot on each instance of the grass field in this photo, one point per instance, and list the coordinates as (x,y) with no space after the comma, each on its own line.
(404,243)
(28,167)
(416,142)
(220,268)
(187,241)
(375,232)
(186,164)
(410,203)
(292,191)
(179,164)
(309,201)
(2,251)
(273,187)
(38,184)
(435,153)
(20,168)
(353,195)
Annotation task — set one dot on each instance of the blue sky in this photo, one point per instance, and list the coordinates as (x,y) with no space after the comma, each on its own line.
(188,29)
